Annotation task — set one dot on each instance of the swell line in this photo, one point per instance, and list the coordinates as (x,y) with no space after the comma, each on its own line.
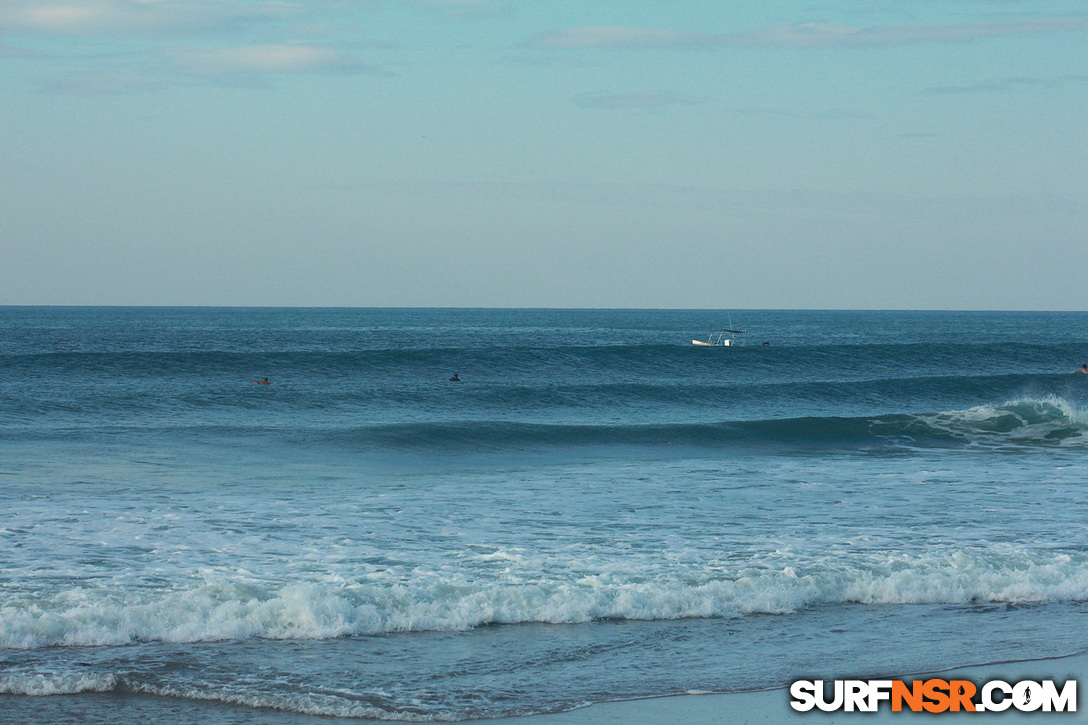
(1029,422)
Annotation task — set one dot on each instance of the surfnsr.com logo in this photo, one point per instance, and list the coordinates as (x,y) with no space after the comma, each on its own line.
(933,695)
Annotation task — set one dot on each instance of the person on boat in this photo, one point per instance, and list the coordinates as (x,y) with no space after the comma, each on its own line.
(1083,369)
(455,379)
(262,381)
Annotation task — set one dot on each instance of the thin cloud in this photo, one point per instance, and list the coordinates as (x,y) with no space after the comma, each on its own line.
(247,66)
(1008,84)
(266,59)
(7,51)
(465,8)
(653,99)
(806,35)
(620,37)
(840,115)
(546,60)
(738,202)
(105,84)
(135,17)
(839,36)
(774,112)
(198,41)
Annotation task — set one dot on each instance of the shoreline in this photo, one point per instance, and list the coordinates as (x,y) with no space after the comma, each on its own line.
(754,707)
(771,706)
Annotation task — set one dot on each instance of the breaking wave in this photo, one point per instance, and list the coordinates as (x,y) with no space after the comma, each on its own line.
(1026,422)
(327,704)
(781,583)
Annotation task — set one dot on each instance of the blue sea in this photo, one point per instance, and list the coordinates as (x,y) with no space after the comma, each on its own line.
(596,510)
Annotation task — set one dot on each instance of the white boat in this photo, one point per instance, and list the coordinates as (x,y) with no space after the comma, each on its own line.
(720,338)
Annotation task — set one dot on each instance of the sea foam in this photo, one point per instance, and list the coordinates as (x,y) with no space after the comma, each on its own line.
(316,610)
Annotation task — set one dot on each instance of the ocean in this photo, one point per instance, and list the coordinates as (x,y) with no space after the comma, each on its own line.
(596,510)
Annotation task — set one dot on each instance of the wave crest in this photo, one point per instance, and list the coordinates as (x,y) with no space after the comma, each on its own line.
(1027,422)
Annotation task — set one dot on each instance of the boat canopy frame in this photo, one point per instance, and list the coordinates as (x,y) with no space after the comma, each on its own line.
(717,338)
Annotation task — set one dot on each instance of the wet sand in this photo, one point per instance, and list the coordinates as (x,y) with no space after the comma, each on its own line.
(771,707)
(766,707)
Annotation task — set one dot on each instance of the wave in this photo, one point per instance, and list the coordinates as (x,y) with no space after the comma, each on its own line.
(55,683)
(1046,422)
(776,584)
(304,702)
(543,362)
(223,395)
(1030,421)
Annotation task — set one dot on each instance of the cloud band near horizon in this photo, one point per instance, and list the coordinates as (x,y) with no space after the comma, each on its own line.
(805,35)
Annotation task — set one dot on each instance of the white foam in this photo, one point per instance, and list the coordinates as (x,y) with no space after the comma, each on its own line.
(306,703)
(56,684)
(1049,419)
(777,583)
(303,703)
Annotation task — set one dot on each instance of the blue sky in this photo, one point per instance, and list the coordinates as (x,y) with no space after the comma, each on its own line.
(897,154)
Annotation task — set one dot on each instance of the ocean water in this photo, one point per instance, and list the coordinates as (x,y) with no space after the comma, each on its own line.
(597,510)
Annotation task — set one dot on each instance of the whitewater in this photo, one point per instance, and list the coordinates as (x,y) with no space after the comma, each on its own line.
(597,509)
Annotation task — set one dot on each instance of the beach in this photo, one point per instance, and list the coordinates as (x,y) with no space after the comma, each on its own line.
(763,707)
(771,707)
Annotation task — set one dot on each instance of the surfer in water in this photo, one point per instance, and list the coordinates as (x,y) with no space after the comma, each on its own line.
(455,379)
(262,381)
(1083,369)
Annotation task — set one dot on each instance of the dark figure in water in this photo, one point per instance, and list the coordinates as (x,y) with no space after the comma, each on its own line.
(1083,369)
(455,379)
(262,381)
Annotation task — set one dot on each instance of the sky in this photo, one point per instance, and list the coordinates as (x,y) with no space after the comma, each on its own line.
(775,154)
